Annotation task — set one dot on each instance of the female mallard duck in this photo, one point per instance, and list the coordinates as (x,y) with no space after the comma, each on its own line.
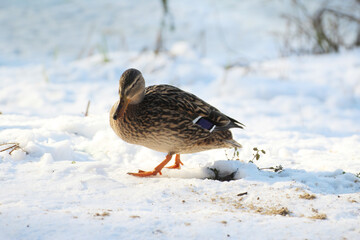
(167,119)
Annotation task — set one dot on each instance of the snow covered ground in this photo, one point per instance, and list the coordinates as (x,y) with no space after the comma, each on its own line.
(66,178)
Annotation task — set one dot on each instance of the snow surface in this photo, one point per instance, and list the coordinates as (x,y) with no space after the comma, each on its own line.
(67,179)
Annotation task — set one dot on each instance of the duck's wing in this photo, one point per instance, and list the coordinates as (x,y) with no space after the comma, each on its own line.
(201,112)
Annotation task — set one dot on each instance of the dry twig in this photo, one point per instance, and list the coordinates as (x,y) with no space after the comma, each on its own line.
(87,109)
(13,147)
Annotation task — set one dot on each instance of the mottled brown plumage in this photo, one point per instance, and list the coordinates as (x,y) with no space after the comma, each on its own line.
(163,118)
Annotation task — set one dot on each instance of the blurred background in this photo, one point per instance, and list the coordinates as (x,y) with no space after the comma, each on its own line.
(229,32)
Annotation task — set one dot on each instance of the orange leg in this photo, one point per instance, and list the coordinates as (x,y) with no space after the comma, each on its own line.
(156,170)
(177,163)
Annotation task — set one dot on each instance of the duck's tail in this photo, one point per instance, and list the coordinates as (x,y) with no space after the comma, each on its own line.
(235,124)
(232,124)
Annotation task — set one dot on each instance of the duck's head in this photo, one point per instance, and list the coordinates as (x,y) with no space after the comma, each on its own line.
(131,91)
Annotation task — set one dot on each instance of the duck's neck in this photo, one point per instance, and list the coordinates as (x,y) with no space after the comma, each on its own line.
(138,98)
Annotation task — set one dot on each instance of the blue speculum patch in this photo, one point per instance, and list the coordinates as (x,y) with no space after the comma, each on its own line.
(204,123)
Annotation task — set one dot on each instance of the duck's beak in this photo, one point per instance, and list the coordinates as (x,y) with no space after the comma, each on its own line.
(121,108)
